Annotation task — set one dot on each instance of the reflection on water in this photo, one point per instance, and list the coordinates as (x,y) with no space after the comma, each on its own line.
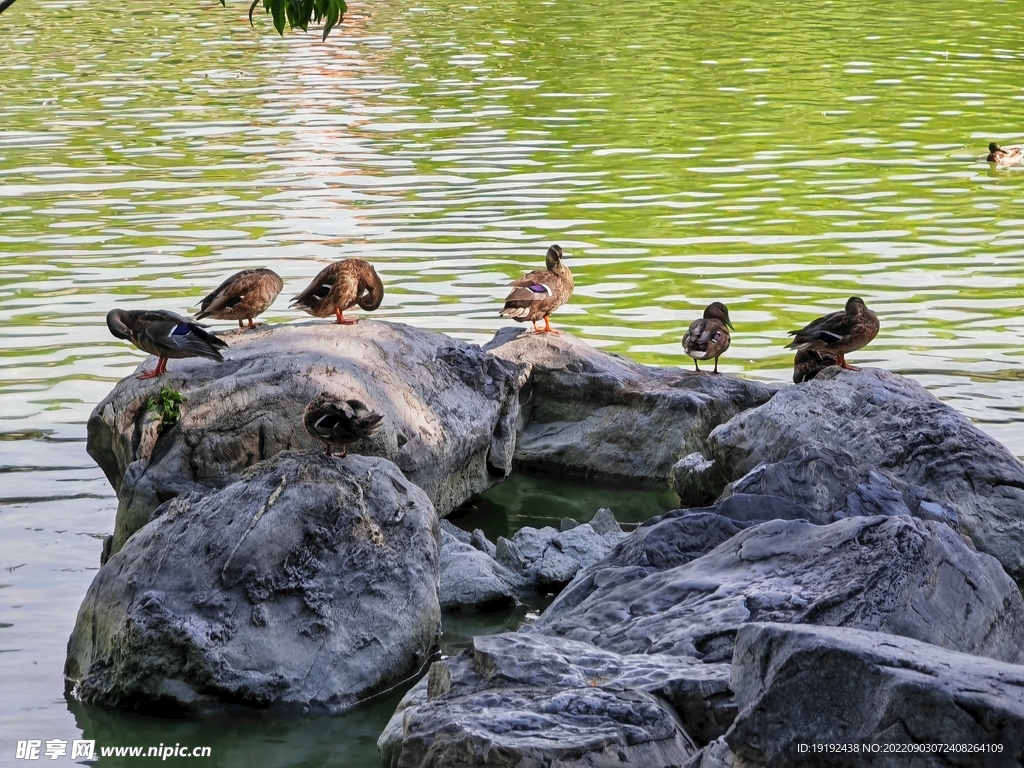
(777,156)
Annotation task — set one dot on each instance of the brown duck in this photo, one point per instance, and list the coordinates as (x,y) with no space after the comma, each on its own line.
(165,335)
(337,423)
(839,333)
(536,295)
(1005,155)
(340,286)
(243,296)
(708,337)
(808,363)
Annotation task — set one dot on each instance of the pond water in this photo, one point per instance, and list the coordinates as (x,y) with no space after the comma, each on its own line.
(778,156)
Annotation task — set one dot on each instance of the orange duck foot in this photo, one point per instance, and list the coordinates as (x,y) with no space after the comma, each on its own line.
(547,328)
(342,320)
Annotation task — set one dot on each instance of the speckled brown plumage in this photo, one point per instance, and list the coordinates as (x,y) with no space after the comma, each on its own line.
(1005,155)
(243,296)
(808,363)
(337,423)
(840,332)
(341,286)
(536,295)
(708,337)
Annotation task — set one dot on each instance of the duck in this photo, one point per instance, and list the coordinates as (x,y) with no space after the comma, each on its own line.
(243,296)
(808,363)
(337,423)
(839,333)
(164,334)
(1004,155)
(537,294)
(340,286)
(708,337)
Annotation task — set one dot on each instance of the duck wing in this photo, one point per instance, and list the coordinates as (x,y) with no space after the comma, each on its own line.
(168,334)
(253,287)
(320,289)
(828,331)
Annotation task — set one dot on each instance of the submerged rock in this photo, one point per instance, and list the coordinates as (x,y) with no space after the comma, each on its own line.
(311,582)
(870,442)
(450,413)
(588,413)
(897,575)
(826,685)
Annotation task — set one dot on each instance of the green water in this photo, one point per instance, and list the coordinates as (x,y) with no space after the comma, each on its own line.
(778,156)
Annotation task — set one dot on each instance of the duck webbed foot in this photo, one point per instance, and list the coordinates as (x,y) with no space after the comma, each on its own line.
(547,328)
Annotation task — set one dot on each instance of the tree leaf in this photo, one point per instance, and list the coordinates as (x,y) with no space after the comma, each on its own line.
(278,12)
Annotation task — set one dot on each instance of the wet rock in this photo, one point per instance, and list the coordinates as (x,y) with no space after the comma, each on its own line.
(826,685)
(519,700)
(592,414)
(450,412)
(897,575)
(873,442)
(309,583)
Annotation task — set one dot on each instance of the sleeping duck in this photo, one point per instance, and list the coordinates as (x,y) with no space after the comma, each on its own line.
(839,333)
(536,295)
(337,423)
(243,296)
(165,335)
(808,363)
(340,286)
(708,337)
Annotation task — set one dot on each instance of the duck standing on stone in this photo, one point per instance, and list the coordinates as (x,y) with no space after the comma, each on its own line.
(536,295)
(808,363)
(839,333)
(1005,155)
(340,286)
(337,423)
(165,335)
(708,337)
(243,296)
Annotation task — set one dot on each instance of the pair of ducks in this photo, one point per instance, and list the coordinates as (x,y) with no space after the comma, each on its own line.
(823,342)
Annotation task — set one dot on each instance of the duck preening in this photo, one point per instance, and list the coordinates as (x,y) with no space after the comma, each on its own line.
(808,363)
(708,337)
(340,286)
(839,333)
(165,335)
(338,423)
(243,296)
(536,295)
(1004,155)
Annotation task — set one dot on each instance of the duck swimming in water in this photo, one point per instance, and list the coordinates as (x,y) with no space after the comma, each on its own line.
(1005,155)
(165,335)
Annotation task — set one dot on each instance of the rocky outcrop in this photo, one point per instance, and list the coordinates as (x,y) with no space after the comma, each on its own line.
(311,582)
(824,685)
(515,699)
(869,442)
(477,575)
(897,575)
(588,413)
(450,412)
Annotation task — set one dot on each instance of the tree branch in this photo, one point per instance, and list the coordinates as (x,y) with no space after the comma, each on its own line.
(5,4)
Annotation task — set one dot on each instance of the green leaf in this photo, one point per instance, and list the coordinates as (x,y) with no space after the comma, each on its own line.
(277,10)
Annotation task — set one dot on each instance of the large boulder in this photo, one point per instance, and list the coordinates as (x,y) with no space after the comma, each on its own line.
(801,685)
(851,443)
(593,414)
(450,412)
(898,575)
(311,582)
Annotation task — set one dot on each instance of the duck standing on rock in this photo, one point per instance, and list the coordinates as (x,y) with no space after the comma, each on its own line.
(808,363)
(708,337)
(536,295)
(165,335)
(336,423)
(340,286)
(839,333)
(243,296)
(1005,155)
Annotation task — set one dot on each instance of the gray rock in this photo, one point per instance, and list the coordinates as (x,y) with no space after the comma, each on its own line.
(310,583)
(696,480)
(471,580)
(852,442)
(592,414)
(897,575)
(826,685)
(517,700)
(717,755)
(450,412)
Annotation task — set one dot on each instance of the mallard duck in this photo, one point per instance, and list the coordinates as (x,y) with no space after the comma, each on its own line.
(536,295)
(164,334)
(808,363)
(708,337)
(242,296)
(840,332)
(1004,155)
(336,423)
(340,286)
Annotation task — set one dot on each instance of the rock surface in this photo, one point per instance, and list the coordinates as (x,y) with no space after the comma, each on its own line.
(450,412)
(897,575)
(866,442)
(548,701)
(309,583)
(826,685)
(588,413)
